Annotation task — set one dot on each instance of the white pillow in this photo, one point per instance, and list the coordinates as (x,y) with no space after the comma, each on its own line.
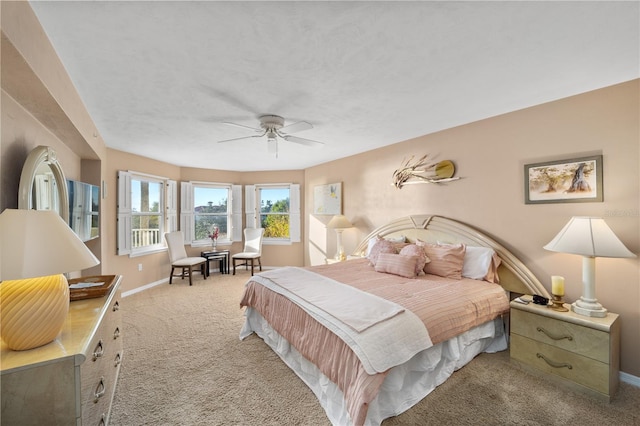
(477,261)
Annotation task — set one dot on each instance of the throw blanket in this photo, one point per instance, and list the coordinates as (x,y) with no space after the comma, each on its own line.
(356,308)
(385,340)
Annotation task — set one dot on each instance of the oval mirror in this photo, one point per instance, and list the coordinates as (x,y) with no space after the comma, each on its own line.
(42,183)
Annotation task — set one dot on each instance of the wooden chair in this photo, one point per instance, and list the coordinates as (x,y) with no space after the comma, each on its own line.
(179,258)
(252,249)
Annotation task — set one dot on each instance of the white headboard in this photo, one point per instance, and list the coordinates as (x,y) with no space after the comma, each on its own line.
(514,275)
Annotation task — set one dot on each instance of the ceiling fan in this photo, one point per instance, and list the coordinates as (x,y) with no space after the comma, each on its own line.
(272,126)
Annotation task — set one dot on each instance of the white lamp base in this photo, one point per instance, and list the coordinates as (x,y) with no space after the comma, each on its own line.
(589,308)
(588,305)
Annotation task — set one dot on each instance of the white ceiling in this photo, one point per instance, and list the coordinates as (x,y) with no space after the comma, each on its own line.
(159,78)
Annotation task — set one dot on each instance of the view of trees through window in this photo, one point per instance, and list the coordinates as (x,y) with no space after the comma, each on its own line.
(211,209)
(146,214)
(274,212)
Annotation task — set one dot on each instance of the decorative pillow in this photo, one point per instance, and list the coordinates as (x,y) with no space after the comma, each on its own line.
(446,259)
(399,242)
(414,250)
(396,264)
(477,261)
(492,274)
(381,246)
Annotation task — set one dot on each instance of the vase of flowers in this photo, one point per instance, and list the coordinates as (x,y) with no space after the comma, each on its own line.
(213,234)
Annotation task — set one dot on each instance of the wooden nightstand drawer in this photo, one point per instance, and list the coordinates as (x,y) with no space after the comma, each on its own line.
(550,359)
(580,351)
(565,335)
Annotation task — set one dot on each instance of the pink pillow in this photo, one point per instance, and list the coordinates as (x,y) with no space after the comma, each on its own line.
(381,246)
(446,259)
(404,266)
(414,250)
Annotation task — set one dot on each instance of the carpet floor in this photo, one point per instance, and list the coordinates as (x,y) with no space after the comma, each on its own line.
(184,364)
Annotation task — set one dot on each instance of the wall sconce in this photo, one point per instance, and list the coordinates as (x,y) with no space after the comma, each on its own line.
(36,248)
(589,237)
(339,223)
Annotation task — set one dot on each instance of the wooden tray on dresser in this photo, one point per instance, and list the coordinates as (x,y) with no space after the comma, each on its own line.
(91,292)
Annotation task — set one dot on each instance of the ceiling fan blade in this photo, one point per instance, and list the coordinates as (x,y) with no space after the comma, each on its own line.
(239,139)
(243,126)
(297,127)
(302,141)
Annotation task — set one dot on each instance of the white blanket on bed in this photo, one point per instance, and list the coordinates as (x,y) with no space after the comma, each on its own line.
(384,342)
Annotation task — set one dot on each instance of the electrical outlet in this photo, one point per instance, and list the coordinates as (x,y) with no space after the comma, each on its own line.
(139,266)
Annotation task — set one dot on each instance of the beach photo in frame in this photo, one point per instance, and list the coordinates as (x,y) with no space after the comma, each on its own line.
(327,199)
(576,180)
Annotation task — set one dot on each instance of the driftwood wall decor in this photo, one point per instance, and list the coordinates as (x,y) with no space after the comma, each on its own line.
(423,171)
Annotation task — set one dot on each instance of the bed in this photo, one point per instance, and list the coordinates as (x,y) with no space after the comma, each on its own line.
(374,335)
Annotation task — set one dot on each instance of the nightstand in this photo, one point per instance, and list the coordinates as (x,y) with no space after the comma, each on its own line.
(581,351)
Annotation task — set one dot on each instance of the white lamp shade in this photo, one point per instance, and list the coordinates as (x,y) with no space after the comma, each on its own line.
(339,222)
(588,236)
(35,243)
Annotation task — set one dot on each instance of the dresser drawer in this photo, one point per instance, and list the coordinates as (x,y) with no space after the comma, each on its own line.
(575,338)
(99,372)
(553,360)
(95,383)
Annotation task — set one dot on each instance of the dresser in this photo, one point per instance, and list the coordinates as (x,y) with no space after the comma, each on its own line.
(580,351)
(70,381)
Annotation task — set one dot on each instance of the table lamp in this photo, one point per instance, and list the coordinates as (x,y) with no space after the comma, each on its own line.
(339,223)
(36,248)
(589,237)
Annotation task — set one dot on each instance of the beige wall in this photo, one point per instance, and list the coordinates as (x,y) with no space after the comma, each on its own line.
(490,156)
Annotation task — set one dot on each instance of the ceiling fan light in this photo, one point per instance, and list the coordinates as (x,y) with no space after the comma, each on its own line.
(272,145)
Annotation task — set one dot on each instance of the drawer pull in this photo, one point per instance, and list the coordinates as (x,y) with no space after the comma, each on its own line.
(118,360)
(116,306)
(554,336)
(101,389)
(98,351)
(553,363)
(116,333)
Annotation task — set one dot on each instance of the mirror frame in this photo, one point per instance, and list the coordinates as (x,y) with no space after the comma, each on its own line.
(38,156)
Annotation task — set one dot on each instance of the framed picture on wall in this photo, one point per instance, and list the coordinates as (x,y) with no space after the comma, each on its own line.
(577,180)
(327,199)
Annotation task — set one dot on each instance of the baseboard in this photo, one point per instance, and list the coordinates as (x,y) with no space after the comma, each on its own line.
(144,287)
(166,280)
(630,379)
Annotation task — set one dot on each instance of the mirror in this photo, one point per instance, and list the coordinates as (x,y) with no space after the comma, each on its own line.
(84,209)
(42,183)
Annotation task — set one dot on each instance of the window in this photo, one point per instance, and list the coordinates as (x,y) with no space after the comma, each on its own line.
(276,208)
(146,210)
(274,211)
(211,209)
(204,205)
(147,207)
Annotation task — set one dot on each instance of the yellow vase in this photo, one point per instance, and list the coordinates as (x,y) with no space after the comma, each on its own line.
(33,310)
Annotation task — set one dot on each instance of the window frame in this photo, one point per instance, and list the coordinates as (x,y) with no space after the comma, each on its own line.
(187,212)
(253,210)
(166,212)
(229,219)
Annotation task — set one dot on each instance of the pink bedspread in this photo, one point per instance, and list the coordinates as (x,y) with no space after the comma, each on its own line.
(447,308)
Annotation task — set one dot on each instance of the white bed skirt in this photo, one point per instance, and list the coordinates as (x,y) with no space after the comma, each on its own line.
(404,386)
